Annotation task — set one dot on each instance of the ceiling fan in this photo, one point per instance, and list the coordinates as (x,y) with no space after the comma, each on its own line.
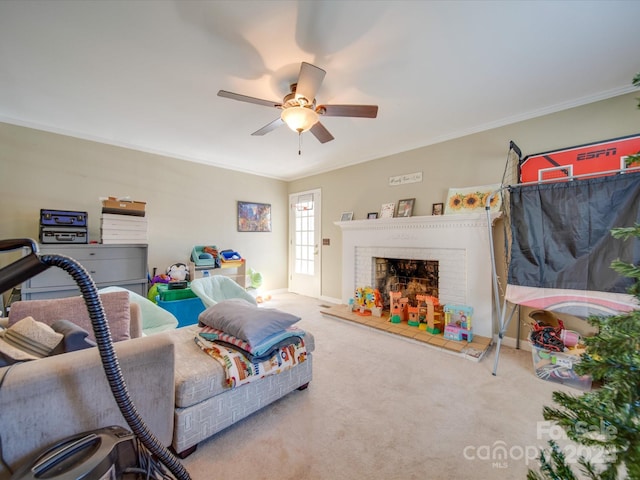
(299,110)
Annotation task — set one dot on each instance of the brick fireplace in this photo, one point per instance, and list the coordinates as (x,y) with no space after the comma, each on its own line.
(459,243)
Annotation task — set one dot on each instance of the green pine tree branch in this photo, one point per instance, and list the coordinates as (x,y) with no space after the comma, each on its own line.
(607,418)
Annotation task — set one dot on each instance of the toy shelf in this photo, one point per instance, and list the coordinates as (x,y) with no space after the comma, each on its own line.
(234,270)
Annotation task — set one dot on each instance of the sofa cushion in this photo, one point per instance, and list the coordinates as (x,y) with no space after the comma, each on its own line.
(116,307)
(198,376)
(27,340)
(242,320)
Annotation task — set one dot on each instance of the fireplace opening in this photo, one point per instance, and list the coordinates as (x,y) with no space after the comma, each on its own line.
(411,277)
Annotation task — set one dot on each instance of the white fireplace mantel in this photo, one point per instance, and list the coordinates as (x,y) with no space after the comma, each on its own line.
(460,243)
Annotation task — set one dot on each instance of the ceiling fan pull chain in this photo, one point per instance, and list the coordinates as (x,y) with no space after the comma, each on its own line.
(299,143)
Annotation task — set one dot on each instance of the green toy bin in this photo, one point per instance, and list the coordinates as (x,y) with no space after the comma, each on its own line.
(167,295)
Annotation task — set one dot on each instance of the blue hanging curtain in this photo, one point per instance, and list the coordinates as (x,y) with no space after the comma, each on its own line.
(562,233)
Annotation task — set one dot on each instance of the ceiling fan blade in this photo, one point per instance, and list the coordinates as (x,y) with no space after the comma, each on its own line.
(362,111)
(269,127)
(309,81)
(245,98)
(321,133)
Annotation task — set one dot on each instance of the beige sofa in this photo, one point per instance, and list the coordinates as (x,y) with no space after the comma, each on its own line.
(180,392)
(46,400)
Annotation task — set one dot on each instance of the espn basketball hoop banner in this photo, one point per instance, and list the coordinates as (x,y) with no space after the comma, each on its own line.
(582,160)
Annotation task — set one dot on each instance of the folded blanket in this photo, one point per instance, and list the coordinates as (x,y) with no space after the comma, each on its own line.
(240,370)
(264,347)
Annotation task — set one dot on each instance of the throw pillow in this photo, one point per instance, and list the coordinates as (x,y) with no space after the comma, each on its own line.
(116,307)
(248,322)
(75,337)
(27,340)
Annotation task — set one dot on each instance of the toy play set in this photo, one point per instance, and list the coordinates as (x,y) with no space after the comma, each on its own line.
(453,321)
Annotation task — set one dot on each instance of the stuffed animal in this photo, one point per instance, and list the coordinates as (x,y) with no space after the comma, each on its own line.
(162,278)
(178,272)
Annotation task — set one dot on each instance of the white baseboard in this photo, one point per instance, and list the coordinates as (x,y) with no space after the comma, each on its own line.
(512,343)
(336,301)
(278,290)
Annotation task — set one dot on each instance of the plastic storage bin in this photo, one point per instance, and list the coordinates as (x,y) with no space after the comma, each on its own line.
(558,367)
(201,262)
(230,256)
(167,295)
(186,310)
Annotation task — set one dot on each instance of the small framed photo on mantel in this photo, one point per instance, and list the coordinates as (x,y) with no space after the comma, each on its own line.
(405,207)
(437,209)
(387,210)
(346,216)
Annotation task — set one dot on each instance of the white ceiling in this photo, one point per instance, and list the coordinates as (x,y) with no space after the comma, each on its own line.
(145,74)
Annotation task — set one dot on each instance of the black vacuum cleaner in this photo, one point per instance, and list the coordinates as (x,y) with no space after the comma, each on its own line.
(111,453)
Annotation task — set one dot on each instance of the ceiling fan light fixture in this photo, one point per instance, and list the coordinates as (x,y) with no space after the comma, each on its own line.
(299,119)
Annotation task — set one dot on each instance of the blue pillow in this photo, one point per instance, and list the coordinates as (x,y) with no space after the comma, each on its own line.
(248,322)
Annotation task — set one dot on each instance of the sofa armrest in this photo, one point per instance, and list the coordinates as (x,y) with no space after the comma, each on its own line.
(46,400)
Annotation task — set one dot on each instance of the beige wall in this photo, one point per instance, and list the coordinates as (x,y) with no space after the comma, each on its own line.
(187,203)
(476,159)
(191,204)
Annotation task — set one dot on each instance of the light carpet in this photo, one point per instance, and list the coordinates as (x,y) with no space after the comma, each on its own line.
(384,407)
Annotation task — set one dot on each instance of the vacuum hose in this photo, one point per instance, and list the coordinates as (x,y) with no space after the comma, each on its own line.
(110,363)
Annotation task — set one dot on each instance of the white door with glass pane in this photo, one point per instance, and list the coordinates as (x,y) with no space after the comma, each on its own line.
(304,243)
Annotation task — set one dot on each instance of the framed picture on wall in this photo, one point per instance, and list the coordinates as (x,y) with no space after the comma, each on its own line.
(254,217)
(405,207)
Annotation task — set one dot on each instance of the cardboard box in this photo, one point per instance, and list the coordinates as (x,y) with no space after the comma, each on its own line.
(123,222)
(123,207)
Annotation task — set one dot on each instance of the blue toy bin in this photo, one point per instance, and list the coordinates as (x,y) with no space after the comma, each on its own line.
(230,255)
(186,311)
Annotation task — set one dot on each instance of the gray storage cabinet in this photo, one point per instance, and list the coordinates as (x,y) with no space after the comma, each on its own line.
(121,265)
